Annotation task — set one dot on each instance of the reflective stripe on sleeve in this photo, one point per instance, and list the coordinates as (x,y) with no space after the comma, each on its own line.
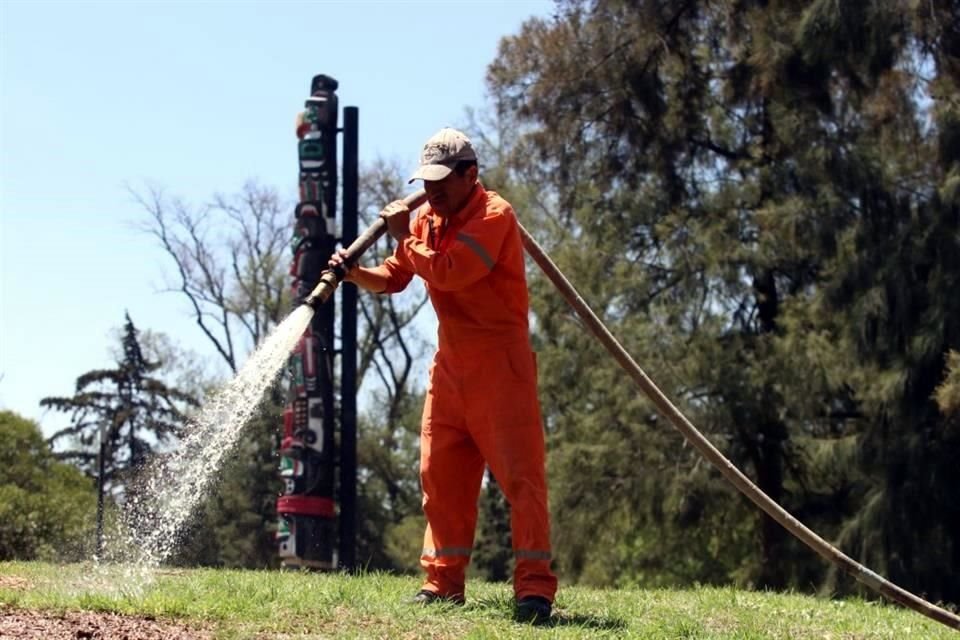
(477,249)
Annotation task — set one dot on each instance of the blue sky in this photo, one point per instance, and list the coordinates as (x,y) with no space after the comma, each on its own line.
(198,98)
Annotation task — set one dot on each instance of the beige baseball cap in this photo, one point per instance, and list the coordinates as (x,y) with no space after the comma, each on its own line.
(441,153)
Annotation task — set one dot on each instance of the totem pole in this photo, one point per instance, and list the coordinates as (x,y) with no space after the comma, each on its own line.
(307,511)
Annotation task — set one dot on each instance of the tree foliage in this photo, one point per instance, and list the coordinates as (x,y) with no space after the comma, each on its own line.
(125,413)
(493,549)
(760,199)
(46,506)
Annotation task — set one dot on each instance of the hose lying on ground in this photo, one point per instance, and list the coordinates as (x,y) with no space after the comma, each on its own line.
(743,484)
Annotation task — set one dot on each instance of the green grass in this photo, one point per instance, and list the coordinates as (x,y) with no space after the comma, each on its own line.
(290,604)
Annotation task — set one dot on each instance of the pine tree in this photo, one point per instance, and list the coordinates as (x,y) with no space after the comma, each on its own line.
(132,413)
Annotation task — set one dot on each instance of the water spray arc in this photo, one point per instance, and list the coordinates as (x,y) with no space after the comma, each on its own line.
(172,487)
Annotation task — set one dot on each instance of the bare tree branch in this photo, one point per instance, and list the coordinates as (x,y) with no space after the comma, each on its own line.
(233,278)
(390,345)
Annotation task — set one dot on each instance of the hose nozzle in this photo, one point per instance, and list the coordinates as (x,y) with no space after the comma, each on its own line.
(324,289)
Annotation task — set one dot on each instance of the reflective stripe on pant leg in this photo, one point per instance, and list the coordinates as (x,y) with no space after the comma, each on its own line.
(451,470)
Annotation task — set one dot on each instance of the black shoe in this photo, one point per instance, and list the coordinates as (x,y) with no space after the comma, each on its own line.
(425,597)
(534,609)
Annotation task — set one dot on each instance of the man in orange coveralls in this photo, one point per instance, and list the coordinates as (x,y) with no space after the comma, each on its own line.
(481,405)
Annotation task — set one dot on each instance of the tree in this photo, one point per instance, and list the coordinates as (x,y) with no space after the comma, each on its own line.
(389,346)
(46,506)
(180,367)
(390,531)
(123,414)
(236,284)
(729,183)
(948,393)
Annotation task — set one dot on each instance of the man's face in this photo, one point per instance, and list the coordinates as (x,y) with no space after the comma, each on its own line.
(448,196)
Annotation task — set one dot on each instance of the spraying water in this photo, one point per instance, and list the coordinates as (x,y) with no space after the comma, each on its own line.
(152,519)
(173,487)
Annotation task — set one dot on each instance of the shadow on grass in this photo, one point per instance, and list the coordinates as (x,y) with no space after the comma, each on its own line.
(584,622)
(560,618)
(566,619)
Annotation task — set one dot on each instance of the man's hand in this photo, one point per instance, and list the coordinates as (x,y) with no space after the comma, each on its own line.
(397,216)
(338,259)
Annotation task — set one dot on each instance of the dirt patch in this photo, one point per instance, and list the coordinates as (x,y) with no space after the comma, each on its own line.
(86,625)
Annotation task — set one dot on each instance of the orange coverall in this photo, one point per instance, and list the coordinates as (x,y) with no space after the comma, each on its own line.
(481,404)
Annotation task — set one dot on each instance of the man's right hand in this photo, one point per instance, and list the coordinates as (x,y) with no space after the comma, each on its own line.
(397,216)
(339,259)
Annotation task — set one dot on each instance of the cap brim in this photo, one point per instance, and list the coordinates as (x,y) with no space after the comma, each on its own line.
(431,172)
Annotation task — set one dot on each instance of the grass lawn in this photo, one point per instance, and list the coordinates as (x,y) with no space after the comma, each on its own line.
(291,604)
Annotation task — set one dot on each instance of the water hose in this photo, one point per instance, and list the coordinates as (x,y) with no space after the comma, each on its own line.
(743,484)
